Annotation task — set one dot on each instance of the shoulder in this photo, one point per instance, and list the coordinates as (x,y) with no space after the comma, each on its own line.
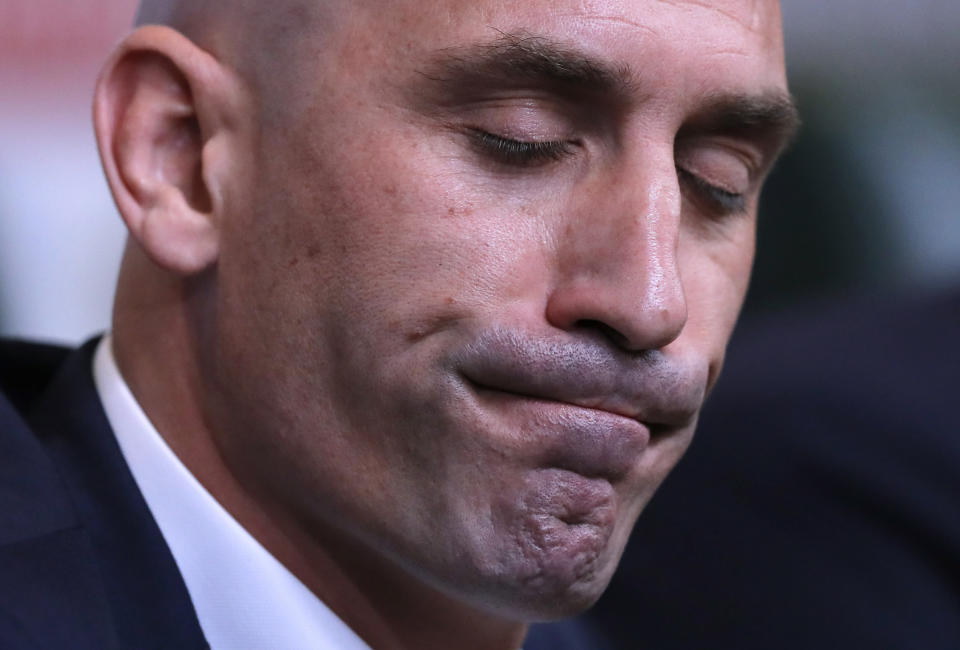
(860,394)
(876,331)
(873,359)
(26,368)
(30,491)
(820,489)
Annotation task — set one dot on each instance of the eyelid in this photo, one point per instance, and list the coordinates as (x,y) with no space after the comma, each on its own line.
(721,201)
(516,151)
(719,166)
(522,118)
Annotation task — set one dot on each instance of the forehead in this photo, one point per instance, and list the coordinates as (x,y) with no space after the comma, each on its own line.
(679,53)
(737,42)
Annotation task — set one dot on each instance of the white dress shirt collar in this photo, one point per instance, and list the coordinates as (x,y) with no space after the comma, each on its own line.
(244,598)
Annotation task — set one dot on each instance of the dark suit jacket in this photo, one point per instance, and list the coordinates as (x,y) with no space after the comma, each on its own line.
(819,505)
(82,562)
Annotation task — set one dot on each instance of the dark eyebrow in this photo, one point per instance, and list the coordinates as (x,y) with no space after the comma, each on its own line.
(520,58)
(771,117)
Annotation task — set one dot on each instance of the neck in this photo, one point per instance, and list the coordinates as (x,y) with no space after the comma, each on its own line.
(157,352)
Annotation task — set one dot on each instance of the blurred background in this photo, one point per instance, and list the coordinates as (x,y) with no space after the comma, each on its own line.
(867,200)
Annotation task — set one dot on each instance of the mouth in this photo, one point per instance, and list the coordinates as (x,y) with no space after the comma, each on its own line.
(588,441)
(578,405)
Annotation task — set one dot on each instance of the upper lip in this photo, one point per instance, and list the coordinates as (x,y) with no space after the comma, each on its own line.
(647,387)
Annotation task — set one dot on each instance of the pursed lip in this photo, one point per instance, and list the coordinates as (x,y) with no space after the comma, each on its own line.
(592,442)
(646,387)
(609,405)
(594,407)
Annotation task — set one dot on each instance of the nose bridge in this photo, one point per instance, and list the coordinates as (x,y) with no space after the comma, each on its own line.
(619,256)
(658,227)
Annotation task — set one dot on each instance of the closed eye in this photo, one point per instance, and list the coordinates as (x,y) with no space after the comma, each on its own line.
(520,153)
(720,201)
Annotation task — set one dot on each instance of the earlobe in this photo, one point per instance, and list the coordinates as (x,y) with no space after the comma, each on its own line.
(152,129)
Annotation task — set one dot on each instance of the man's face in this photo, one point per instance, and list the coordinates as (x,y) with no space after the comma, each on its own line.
(480,270)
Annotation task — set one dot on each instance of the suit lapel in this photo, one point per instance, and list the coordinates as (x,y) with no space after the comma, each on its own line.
(50,593)
(148,602)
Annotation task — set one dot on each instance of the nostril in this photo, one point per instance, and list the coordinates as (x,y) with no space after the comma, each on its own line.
(631,320)
(611,333)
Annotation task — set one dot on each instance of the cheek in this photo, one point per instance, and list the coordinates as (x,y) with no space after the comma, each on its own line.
(716,274)
(412,230)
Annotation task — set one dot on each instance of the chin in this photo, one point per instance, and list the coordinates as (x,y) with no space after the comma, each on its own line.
(561,599)
(552,549)
(553,582)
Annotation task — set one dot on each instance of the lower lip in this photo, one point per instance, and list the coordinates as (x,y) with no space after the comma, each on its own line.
(589,442)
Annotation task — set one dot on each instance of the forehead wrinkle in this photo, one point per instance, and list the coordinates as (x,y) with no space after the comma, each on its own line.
(753,23)
(621,20)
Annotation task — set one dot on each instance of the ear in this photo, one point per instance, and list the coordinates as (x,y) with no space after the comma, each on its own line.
(162,111)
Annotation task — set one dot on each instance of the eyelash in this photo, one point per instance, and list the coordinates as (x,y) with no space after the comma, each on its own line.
(529,153)
(520,152)
(724,202)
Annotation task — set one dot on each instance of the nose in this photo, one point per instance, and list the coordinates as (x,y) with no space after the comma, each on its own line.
(618,267)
